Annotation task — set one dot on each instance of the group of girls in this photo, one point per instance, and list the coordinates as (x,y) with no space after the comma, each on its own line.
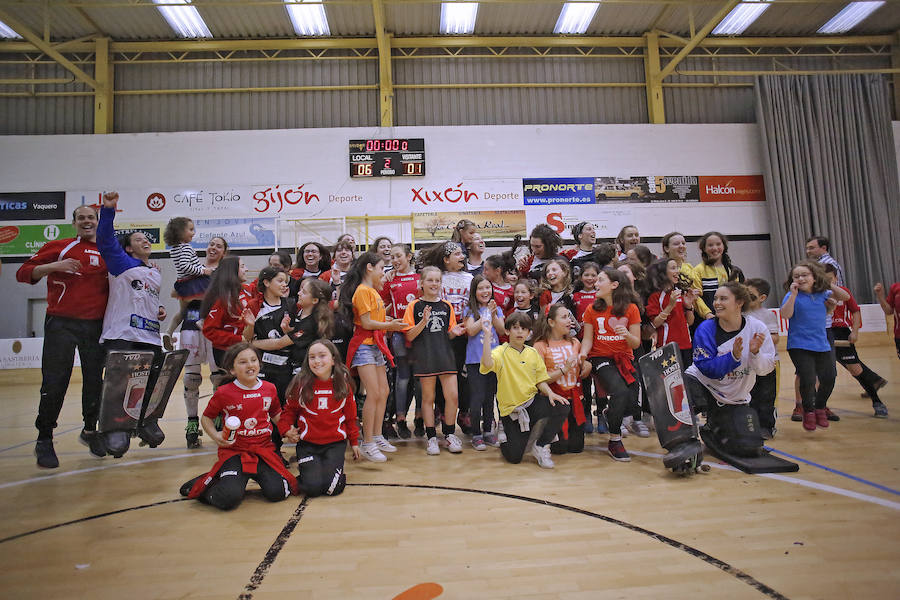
(403,324)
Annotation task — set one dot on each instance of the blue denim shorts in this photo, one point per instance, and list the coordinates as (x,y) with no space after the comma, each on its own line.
(368,354)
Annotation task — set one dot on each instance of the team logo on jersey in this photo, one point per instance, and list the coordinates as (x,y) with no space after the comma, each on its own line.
(250,423)
(137,284)
(323,402)
(410,298)
(94,260)
(267,403)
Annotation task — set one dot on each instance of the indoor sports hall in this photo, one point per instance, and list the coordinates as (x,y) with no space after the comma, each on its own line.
(731,164)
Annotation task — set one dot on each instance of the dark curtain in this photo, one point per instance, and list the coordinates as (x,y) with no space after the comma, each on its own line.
(830,169)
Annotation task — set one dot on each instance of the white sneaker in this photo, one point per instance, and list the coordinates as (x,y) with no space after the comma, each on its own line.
(648,421)
(371,452)
(454,444)
(638,428)
(501,435)
(431,447)
(626,425)
(383,444)
(542,454)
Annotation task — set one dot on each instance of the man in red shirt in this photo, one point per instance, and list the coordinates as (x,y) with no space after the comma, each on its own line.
(77,290)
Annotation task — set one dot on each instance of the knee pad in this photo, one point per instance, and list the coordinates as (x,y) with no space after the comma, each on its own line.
(117,442)
(150,433)
(737,428)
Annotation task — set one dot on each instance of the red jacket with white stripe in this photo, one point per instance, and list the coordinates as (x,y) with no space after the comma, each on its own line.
(325,419)
(80,295)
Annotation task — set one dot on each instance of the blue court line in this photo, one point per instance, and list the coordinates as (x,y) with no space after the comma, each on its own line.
(836,472)
(32,441)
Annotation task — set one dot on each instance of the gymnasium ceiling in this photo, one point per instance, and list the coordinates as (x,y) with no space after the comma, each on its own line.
(140,20)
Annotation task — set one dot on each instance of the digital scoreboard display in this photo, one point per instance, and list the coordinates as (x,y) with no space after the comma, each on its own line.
(387,158)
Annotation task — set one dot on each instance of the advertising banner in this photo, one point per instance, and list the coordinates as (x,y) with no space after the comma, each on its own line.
(653,188)
(239,233)
(153,231)
(32,206)
(732,188)
(607,219)
(559,190)
(492,225)
(25,240)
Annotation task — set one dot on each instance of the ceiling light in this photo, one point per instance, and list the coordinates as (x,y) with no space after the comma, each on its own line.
(307,18)
(183,18)
(741,17)
(575,17)
(849,17)
(6,32)
(458,17)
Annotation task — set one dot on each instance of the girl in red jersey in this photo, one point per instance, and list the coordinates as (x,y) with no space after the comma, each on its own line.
(223,306)
(494,267)
(251,453)
(583,298)
(320,417)
(890,304)
(612,329)
(560,351)
(402,287)
(670,307)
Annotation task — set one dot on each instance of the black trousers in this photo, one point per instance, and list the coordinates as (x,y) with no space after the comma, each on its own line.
(230,482)
(62,336)
(321,468)
(623,397)
(762,399)
(812,366)
(574,443)
(513,449)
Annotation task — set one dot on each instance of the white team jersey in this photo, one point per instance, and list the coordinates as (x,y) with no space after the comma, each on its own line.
(132,312)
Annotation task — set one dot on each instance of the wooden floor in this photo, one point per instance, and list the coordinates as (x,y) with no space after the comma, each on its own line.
(471,524)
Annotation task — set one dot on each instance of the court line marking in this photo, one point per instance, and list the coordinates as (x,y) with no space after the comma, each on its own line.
(33,441)
(877,486)
(824,487)
(694,552)
(802,482)
(272,553)
(89,518)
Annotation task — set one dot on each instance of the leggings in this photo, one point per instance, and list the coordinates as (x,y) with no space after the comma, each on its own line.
(811,366)
(623,397)
(402,374)
(227,489)
(459,353)
(321,468)
(762,399)
(847,355)
(573,441)
(482,389)
(546,421)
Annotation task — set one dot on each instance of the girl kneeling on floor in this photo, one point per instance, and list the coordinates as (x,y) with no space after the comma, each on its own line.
(250,453)
(320,417)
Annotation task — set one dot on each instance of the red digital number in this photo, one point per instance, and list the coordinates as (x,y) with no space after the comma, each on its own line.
(387,163)
(404,145)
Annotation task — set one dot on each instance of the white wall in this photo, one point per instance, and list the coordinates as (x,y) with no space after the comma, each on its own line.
(482,159)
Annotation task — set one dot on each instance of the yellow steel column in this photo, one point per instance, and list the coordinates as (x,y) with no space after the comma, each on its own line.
(656,108)
(103,95)
(385,79)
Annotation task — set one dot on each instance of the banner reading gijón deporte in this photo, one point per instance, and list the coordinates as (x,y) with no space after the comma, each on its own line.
(558,190)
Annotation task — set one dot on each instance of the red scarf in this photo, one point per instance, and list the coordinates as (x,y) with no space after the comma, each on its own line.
(249,461)
(359,334)
(574,396)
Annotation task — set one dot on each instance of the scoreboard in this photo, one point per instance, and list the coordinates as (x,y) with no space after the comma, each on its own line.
(387,158)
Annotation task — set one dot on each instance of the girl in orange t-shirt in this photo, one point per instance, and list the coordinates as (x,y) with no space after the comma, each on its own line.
(612,328)
(561,354)
(368,349)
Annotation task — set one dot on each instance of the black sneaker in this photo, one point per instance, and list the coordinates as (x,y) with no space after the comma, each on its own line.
(830,415)
(94,441)
(881,411)
(187,485)
(117,442)
(388,431)
(403,430)
(419,427)
(46,455)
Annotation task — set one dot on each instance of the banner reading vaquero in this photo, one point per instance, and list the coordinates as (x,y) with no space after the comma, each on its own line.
(558,190)
(32,206)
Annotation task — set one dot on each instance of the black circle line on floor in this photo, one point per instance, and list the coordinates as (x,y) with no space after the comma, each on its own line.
(272,553)
(711,560)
